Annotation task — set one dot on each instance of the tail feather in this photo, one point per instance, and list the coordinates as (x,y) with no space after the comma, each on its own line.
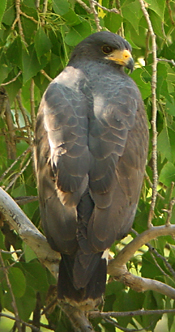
(92,290)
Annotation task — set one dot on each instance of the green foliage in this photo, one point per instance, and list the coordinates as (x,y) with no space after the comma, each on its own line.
(34,48)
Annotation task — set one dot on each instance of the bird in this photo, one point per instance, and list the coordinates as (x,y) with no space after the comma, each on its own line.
(91,144)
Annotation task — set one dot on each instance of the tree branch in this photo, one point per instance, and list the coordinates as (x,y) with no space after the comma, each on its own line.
(154,112)
(50,259)
(29,233)
(139,284)
(96,18)
(95,314)
(128,251)
(77,318)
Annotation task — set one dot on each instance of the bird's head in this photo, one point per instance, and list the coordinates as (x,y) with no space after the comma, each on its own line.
(106,46)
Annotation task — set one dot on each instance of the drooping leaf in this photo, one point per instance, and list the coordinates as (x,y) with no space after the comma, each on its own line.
(17,281)
(157,6)
(3,4)
(42,43)
(60,7)
(31,65)
(77,33)
(167,174)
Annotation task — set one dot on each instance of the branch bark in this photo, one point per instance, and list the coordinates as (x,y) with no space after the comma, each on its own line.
(117,268)
(154,112)
(28,232)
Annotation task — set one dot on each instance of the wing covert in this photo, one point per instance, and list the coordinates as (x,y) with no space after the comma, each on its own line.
(65,120)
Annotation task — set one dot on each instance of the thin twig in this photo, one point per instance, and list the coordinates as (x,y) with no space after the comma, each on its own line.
(166,60)
(154,113)
(18,20)
(169,211)
(121,328)
(12,80)
(169,267)
(154,251)
(128,251)
(46,75)
(34,328)
(26,120)
(25,200)
(170,12)
(112,10)
(32,104)
(96,18)
(83,5)
(17,175)
(45,3)
(12,295)
(11,252)
(14,163)
(151,185)
(95,314)
(29,17)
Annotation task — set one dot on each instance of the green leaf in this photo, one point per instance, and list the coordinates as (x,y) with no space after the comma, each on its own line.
(164,144)
(42,42)
(156,23)
(3,4)
(17,281)
(29,253)
(150,304)
(167,174)
(145,88)
(112,23)
(31,65)
(158,6)
(72,18)
(132,13)
(77,33)
(149,268)
(13,87)
(9,16)
(60,7)
(36,276)
(170,107)
(14,52)
(26,304)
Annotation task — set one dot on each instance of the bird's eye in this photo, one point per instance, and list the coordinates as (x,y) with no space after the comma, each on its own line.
(106,49)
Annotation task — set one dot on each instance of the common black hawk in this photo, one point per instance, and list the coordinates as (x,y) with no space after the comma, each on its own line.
(91,144)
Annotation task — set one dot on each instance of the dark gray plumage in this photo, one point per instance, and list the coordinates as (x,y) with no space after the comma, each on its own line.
(91,148)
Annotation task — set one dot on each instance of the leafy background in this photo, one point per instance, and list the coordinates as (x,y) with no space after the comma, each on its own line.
(36,38)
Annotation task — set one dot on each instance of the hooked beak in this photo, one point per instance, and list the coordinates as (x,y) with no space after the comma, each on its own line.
(122,58)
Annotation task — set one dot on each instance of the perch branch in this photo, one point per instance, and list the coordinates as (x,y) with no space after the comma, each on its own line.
(28,232)
(77,318)
(50,259)
(128,251)
(139,284)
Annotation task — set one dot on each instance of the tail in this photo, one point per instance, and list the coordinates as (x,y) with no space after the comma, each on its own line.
(82,285)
